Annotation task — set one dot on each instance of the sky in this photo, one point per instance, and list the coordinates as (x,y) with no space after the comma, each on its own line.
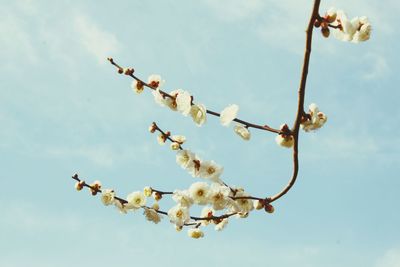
(65,110)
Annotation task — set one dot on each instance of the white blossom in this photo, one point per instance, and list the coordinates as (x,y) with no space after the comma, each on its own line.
(179,138)
(195,233)
(183,102)
(219,196)
(221,225)
(107,196)
(179,215)
(364,30)
(356,30)
(317,120)
(198,112)
(210,170)
(163,100)
(152,215)
(147,191)
(155,81)
(137,86)
(135,200)
(242,131)
(285,140)
(182,198)
(185,158)
(199,192)
(161,138)
(175,146)
(229,114)
(243,206)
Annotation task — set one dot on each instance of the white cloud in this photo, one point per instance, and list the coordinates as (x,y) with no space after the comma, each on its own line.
(377,66)
(100,154)
(390,259)
(16,43)
(233,10)
(98,42)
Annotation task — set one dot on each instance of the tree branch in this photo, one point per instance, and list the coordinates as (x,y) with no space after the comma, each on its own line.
(300,104)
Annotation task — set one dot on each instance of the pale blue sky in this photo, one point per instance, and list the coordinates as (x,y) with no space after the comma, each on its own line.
(63,109)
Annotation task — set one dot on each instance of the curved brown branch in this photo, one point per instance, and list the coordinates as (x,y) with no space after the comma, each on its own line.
(300,105)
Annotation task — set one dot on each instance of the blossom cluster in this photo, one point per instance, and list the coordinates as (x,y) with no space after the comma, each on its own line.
(214,197)
(356,30)
(314,120)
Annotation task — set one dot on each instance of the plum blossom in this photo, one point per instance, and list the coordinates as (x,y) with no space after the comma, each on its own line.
(198,112)
(137,86)
(152,215)
(183,102)
(107,196)
(219,196)
(210,170)
(229,114)
(242,131)
(317,120)
(199,192)
(195,233)
(135,200)
(182,198)
(185,158)
(155,81)
(355,30)
(179,215)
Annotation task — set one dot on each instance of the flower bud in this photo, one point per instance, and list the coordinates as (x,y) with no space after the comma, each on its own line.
(152,128)
(317,23)
(269,208)
(79,185)
(147,191)
(325,32)
(175,146)
(128,71)
(157,196)
(155,206)
(95,187)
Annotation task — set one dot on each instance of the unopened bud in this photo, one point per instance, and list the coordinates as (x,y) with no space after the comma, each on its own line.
(175,146)
(79,185)
(120,70)
(269,208)
(128,71)
(317,23)
(95,188)
(157,196)
(153,127)
(155,206)
(325,32)
(331,15)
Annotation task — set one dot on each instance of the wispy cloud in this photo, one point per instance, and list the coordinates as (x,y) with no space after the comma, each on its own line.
(390,259)
(377,66)
(234,10)
(97,41)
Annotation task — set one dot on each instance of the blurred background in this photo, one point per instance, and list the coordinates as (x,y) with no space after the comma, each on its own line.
(65,110)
